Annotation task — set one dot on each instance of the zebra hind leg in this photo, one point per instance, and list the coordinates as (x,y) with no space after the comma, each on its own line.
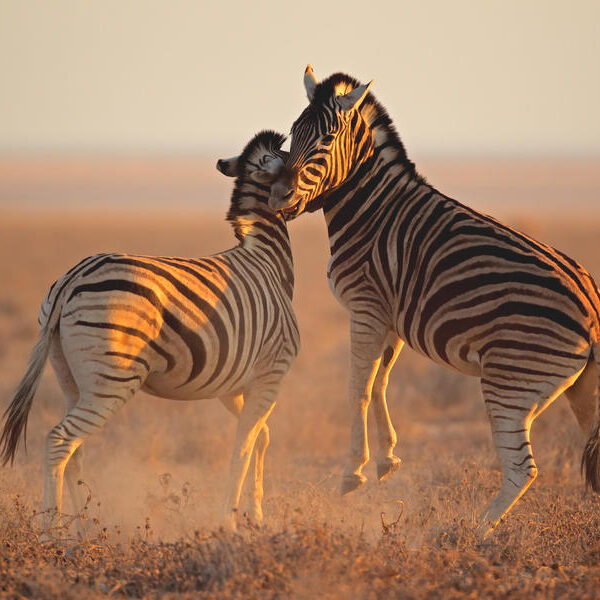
(512,407)
(74,467)
(510,421)
(387,462)
(88,416)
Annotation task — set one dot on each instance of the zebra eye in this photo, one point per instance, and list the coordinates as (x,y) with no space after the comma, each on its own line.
(326,140)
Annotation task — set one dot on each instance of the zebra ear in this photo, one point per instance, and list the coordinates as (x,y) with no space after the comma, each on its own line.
(229,166)
(263,177)
(310,82)
(354,98)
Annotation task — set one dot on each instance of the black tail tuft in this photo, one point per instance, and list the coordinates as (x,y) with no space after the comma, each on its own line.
(15,426)
(590,461)
(17,413)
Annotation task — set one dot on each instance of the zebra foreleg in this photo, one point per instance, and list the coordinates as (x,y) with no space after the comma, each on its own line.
(262,442)
(510,421)
(234,405)
(258,404)
(387,462)
(366,350)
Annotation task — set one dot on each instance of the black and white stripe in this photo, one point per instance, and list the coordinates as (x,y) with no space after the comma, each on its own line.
(181,328)
(414,265)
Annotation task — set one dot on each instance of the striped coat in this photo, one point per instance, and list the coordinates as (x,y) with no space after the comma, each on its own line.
(181,328)
(413,265)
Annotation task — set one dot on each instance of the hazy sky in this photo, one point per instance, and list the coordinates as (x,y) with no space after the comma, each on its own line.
(458,77)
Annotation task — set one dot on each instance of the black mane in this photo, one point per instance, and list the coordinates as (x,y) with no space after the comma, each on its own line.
(271,141)
(326,89)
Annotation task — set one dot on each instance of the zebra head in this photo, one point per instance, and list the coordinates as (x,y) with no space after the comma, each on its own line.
(259,164)
(261,160)
(329,139)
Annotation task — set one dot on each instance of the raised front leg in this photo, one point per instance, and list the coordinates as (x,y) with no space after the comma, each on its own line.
(387,462)
(366,348)
(259,401)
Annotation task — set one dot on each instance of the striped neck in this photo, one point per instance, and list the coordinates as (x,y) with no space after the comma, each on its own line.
(261,231)
(386,178)
(366,187)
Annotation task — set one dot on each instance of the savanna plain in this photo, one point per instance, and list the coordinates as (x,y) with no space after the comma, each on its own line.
(156,475)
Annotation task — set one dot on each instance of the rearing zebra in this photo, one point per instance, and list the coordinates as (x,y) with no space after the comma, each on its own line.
(414,265)
(179,328)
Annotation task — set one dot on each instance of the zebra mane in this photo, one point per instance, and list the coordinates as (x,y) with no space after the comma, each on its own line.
(264,142)
(341,83)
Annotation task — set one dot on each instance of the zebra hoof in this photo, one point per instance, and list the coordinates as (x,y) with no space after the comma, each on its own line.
(389,465)
(46,537)
(256,517)
(484,530)
(486,526)
(351,482)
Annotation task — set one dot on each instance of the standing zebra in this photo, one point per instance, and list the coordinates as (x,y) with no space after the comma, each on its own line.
(179,328)
(411,264)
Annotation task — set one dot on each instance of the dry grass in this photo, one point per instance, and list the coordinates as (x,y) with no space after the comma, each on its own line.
(155,535)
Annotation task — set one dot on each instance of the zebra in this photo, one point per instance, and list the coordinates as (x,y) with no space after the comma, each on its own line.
(179,328)
(413,265)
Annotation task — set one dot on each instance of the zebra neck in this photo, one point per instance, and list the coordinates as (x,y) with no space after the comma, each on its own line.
(267,240)
(383,183)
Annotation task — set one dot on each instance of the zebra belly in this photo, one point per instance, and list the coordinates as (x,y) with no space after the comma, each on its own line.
(460,354)
(465,360)
(163,386)
(512,348)
(111,357)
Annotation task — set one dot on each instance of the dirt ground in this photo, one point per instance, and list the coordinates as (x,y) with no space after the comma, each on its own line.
(157,535)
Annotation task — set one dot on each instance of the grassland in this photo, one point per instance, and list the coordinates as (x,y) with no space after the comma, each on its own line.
(157,535)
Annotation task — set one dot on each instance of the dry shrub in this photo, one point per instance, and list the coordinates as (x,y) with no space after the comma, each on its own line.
(554,554)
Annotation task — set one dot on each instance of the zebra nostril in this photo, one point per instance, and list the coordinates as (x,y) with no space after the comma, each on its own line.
(289,195)
(221,165)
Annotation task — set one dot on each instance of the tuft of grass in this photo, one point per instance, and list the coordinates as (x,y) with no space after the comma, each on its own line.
(550,549)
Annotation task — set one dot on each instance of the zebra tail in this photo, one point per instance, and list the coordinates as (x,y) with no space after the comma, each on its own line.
(16,415)
(590,461)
